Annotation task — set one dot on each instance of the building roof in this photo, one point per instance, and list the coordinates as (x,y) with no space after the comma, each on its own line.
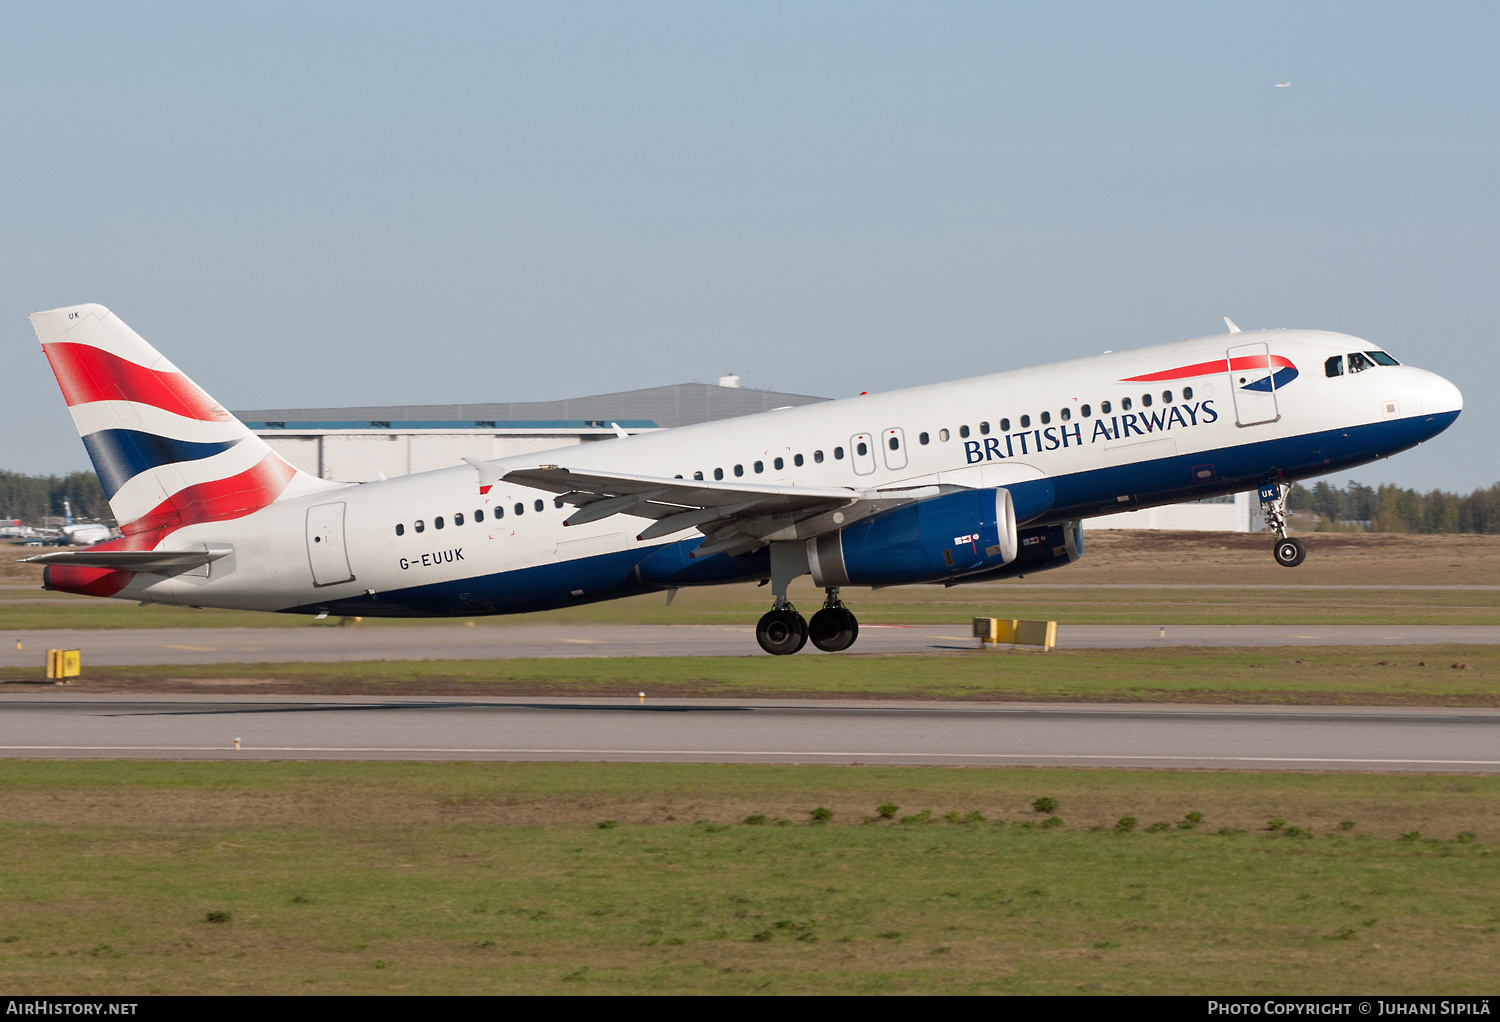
(681,404)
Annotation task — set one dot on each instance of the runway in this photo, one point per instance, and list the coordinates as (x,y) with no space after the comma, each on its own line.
(67,726)
(168,646)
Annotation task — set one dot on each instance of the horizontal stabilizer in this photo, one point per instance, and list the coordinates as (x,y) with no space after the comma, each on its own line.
(135,560)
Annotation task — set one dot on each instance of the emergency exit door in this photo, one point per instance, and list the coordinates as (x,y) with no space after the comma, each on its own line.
(325,545)
(1252,380)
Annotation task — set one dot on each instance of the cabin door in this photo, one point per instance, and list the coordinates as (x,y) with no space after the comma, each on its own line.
(1253,384)
(325,545)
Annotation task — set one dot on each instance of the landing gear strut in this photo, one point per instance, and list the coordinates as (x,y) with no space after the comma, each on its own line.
(1289,551)
(833,628)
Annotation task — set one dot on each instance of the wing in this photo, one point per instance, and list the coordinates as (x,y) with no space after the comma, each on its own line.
(734,518)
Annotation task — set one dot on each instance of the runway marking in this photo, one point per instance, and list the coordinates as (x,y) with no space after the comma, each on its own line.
(751,752)
(586,642)
(197,649)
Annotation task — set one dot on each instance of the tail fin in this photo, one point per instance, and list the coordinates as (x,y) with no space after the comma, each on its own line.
(166,453)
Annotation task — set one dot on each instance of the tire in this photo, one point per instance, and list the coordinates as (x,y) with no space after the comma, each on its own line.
(1290,552)
(833,629)
(781,632)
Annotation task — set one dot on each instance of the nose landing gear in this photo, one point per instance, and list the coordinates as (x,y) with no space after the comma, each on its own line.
(833,628)
(1289,551)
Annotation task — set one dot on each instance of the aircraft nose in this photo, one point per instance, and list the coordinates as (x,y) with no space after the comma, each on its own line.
(1439,395)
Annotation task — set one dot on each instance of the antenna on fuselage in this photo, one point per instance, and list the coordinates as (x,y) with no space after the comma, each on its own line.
(1230,324)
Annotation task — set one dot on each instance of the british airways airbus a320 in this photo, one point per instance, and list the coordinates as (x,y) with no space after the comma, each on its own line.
(975,480)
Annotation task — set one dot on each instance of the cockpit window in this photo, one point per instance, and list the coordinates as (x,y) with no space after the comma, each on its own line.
(1334,366)
(1382,359)
(1358,363)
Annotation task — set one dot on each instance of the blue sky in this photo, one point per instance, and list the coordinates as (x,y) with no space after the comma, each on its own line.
(325,204)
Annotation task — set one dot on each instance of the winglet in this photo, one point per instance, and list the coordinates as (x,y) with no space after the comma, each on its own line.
(1230,324)
(489,474)
(619,430)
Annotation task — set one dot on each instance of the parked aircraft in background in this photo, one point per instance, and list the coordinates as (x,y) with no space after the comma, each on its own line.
(12,528)
(975,480)
(83,533)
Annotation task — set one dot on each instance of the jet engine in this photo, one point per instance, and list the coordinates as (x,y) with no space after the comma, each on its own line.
(1052,546)
(926,541)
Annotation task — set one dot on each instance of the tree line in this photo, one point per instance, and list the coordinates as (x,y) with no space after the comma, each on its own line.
(30,498)
(1389,508)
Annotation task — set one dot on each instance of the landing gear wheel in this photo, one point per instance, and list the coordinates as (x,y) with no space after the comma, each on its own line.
(781,632)
(1290,552)
(833,629)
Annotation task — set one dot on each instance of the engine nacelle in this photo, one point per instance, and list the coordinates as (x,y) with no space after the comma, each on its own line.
(927,541)
(1040,550)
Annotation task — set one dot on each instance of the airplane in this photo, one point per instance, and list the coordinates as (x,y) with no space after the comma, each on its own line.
(70,534)
(83,533)
(11,528)
(951,483)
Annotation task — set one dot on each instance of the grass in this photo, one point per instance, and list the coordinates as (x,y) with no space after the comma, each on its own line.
(1401,675)
(499,878)
(744,604)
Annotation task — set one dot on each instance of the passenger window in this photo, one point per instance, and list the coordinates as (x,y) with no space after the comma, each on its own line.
(1046,418)
(739,470)
(557,503)
(479,516)
(698,476)
(520,508)
(1025,421)
(963,431)
(499,513)
(1125,403)
(1187,395)
(400,529)
(895,443)
(797,460)
(458,519)
(1066,414)
(779,464)
(862,449)
(1166,397)
(838,454)
(1103,407)
(984,428)
(538,505)
(818,457)
(1146,400)
(1087,411)
(1005,425)
(419,526)
(760,467)
(943,435)
(437,523)
(1358,363)
(922,439)
(718,473)
(1382,359)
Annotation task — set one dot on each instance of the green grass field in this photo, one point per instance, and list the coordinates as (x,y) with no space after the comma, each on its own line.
(744,604)
(498,878)
(1401,675)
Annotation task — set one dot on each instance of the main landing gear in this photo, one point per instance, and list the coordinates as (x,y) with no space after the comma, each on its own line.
(1289,551)
(784,631)
(834,627)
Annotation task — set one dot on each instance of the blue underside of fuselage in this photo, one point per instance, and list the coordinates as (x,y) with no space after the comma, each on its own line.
(1048,501)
